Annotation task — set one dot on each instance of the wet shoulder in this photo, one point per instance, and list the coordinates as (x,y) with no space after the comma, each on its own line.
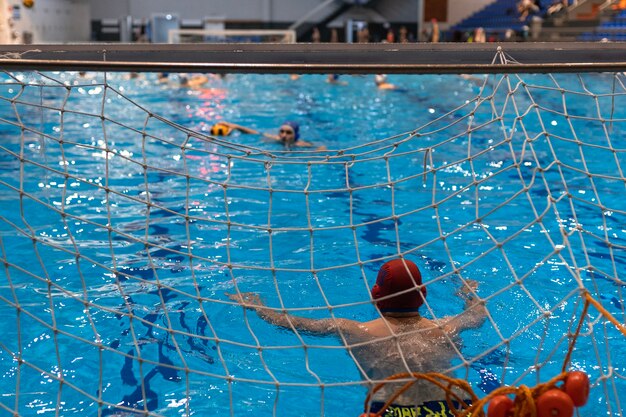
(420,328)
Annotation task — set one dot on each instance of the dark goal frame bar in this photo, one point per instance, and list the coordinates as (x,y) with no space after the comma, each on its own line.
(416,58)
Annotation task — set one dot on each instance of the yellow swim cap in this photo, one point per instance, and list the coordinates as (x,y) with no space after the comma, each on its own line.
(221,129)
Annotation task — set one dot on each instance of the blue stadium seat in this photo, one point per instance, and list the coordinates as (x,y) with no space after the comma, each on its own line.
(495,17)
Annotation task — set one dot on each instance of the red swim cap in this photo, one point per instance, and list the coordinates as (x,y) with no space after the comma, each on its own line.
(396,276)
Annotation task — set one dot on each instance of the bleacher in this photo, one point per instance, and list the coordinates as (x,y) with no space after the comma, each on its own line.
(496,17)
(613,30)
(607,23)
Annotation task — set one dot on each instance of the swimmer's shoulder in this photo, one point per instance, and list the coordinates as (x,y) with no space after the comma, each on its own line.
(433,329)
(428,329)
(375,328)
(385,86)
(304,144)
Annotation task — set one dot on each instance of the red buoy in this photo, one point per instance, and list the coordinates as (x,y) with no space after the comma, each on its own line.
(555,403)
(500,406)
(577,387)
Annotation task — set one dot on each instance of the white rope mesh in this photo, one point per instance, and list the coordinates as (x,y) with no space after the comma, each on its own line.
(122,229)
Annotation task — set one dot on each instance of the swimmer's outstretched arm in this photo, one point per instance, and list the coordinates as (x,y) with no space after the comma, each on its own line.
(474,315)
(320,327)
(242,129)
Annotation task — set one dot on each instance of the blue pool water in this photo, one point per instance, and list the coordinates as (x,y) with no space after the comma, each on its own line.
(123,225)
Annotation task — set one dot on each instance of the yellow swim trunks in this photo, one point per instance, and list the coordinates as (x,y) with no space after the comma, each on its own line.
(427,409)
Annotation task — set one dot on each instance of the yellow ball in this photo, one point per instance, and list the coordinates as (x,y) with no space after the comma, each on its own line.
(28,3)
(220,129)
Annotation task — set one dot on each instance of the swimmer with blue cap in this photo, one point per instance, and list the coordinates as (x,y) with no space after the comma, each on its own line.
(288,134)
(399,340)
(334,79)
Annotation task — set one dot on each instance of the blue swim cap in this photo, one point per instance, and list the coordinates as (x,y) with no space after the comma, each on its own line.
(296,128)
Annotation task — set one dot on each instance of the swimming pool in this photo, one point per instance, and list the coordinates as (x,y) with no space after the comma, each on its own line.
(123,225)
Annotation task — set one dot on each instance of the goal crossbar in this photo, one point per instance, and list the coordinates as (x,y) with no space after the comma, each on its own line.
(320,58)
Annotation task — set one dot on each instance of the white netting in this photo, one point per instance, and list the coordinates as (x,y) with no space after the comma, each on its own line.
(122,228)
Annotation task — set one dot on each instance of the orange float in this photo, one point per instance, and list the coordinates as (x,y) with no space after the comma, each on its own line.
(554,403)
(500,406)
(577,387)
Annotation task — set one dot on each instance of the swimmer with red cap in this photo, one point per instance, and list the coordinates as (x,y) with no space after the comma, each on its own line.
(400,340)
(288,134)
(399,288)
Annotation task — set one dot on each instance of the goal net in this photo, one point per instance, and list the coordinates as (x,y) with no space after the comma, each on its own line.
(231,36)
(125,224)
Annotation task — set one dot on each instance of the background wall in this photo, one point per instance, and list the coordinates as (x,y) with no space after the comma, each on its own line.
(265,10)
(460,9)
(48,21)
(58,21)
(239,10)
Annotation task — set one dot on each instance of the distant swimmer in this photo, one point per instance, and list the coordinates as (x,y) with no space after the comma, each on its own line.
(193,81)
(288,133)
(479,81)
(334,79)
(383,84)
(163,77)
